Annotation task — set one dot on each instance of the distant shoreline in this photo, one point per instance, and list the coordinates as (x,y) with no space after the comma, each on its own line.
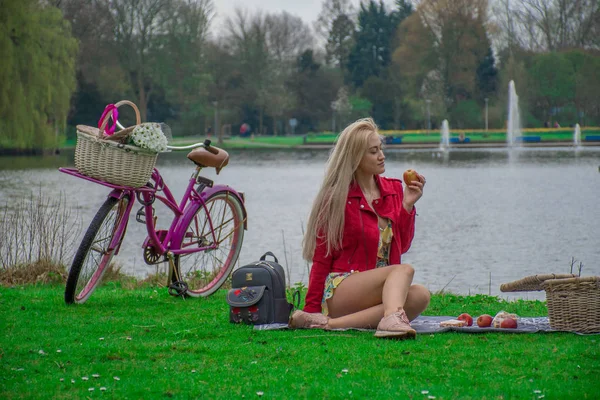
(248,144)
(464,145)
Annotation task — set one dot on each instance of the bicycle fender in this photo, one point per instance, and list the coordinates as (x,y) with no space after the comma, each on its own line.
(209,191)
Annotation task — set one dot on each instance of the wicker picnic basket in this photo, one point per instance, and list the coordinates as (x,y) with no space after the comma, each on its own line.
(108,158)
(573,301)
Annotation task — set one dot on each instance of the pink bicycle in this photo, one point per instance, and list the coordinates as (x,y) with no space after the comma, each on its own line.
(201,245)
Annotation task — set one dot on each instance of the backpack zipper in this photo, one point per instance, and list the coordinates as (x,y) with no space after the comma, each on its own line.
(264,263)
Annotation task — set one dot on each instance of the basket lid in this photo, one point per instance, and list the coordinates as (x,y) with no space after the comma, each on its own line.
(90,130)
(576,280)
(120,136)
(532,283)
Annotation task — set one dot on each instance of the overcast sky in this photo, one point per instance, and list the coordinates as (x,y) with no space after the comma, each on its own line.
(308,10)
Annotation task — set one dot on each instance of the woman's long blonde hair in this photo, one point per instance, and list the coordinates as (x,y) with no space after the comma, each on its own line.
(327,215)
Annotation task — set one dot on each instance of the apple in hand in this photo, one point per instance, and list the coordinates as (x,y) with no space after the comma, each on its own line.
(510,323)
(410,176)
(467,318)
(484,321)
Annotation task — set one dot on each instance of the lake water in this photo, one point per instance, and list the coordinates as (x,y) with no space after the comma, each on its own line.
(494,215)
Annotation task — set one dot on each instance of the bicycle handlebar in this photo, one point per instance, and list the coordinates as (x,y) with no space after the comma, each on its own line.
(205,144)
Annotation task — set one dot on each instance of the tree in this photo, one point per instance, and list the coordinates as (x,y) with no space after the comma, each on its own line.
(414,60)
(340,41)
(179,62)
(342,107)
(37,76)
(139,26)
(458,29)
(549,25)
(386,92)
(381,97)
(404,9)
(313,87)
(98,82)
(487,76)
(552,82)
(466,114)
(247,42)
(265,48)
(416,54)
(287,38)
(335,24)
(513,69)
(371,52)
(225,86)
(587,85)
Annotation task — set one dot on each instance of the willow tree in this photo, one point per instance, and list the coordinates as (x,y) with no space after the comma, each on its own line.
(37,76)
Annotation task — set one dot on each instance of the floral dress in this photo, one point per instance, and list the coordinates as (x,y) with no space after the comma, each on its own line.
(335,278)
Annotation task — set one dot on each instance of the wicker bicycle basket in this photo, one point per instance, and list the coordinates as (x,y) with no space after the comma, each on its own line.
(108,159)
(573,302)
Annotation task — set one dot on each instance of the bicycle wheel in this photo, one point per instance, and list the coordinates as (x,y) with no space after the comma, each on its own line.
(205,271)
(93,258)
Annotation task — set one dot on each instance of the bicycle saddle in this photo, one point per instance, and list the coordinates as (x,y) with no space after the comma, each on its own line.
(216,157)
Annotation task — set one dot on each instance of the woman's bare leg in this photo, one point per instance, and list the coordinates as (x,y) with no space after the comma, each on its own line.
(388,285)
(416,302)
(363,299)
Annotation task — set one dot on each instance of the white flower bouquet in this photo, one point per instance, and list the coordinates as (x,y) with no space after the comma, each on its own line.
(149,136)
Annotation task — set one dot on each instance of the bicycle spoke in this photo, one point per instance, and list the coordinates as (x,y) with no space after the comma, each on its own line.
(94,253)
(217,228)
(108,237)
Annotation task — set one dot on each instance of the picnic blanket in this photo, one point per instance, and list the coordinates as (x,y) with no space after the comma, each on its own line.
(431,324)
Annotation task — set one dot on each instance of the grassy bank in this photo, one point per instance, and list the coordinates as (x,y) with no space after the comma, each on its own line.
(145,344)
(473,136)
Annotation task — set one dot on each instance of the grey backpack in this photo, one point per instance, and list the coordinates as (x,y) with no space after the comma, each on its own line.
(257,295)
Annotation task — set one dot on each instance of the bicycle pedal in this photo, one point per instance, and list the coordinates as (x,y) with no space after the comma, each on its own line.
(178,289)
(140,216)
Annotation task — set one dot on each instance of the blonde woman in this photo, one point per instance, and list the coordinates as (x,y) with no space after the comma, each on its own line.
(360,225)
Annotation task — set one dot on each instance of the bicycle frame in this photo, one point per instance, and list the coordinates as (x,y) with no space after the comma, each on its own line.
(183,211)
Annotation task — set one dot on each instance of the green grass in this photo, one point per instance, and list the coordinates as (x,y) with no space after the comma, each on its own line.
(164,347)
(408,137)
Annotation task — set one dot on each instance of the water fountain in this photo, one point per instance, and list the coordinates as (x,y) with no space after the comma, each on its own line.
(445,135)
(513,128)
(577,136)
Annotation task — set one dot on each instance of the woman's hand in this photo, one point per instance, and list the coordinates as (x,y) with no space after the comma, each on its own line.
(413,193)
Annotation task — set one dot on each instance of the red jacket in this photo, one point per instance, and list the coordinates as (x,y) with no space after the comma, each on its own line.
(361,237)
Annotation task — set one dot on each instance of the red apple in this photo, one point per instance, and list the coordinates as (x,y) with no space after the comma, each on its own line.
(510,323)
(467,318)
(484,321)
(410,176)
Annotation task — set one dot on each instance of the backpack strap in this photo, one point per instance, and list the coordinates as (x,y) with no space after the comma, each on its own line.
(268,253)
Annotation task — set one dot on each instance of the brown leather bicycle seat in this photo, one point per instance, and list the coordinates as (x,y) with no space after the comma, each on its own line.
(205,158)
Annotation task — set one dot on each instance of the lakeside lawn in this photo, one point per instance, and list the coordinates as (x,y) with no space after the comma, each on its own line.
(143,343)
(474,136)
